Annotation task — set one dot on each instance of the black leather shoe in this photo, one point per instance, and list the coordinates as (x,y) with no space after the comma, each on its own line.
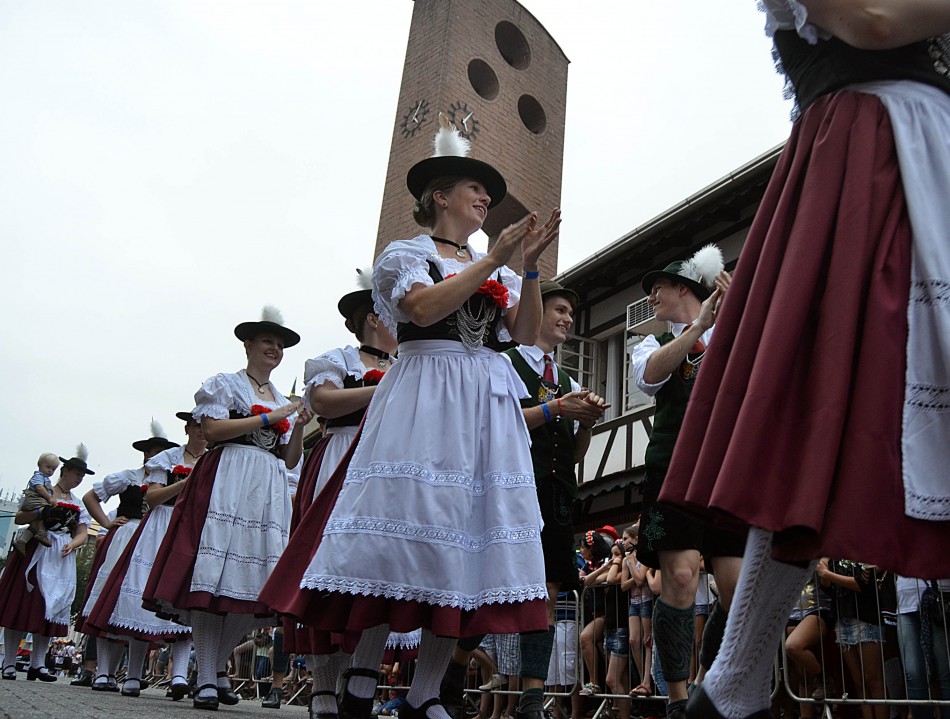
(272,700)
(410,712)
(83,680)
(227,696)
(700,706)
(321,715)
(353,707)
(131,691)
(41,673)
(9,673)
(210,703)
(177,691)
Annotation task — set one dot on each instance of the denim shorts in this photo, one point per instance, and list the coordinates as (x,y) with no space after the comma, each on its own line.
(618,642)
(644,609)
(851,632)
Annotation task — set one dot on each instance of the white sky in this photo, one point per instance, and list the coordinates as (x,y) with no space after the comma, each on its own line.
(168,167)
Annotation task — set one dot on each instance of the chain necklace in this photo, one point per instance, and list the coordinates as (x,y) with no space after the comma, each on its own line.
(383,360)
(472,327)
(260,385)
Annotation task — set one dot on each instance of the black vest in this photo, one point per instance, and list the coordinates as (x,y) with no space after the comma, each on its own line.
(552,444)
(446,328)
(354,418)
(816,70)
(131,503)
(671,402)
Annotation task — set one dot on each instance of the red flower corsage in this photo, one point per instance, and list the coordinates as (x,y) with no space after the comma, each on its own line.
(371,377)
(67,505)
(181,470)
(281,427)
(494,290)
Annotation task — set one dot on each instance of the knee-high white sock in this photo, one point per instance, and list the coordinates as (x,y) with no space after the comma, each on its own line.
(11,642)
(368,655)
(104,656)
(739,681)
(180,653)
(137,651)
(434,655)
(233,630)
(325,669)
(206,634)
(38,653)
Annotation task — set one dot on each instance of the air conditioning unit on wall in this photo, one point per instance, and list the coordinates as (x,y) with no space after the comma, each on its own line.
(642,321)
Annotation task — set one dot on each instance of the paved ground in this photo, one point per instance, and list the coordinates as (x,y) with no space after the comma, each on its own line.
(57,700)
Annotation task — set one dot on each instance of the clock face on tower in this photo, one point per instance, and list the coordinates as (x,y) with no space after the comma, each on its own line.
(463,119)
(414,118)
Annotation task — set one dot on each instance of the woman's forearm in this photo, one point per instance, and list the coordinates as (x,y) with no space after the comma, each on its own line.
(525,317)
(880,24)
(427,304)
(331,401)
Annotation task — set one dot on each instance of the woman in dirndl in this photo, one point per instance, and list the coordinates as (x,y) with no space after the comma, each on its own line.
(129,486)
(440,481)
(37,589)
(118,613)
(230,523)
(821,415)
(339,386)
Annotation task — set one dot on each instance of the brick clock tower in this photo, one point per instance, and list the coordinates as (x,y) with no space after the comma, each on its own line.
(502,80)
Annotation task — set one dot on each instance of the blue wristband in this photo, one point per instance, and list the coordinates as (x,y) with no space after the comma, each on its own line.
(547,412)
(532,275)
(264,417)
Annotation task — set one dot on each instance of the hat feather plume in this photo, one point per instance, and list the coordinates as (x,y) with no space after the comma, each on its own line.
(82,452)
(364,278)
(272,314)
(704,265)
(157,429)
(448,142)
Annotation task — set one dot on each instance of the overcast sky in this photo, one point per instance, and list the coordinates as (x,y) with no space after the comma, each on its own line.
(168,167)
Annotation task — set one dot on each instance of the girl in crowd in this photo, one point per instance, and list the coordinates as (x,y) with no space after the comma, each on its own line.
(37,589)
(440,481)
(634,581)
(230,523)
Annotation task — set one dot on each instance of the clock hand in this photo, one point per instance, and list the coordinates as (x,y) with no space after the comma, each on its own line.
(466,119)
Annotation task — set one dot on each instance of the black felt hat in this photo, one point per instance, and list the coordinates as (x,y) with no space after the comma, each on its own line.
(186,417)
(158,439)
(450,159)
(698,273)
(79,461)
(271,321)
(353,301)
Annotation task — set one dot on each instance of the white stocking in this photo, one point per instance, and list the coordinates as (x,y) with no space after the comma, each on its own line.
(368,655)
(206,633)
(325,670)
(11,642)
(434,655)
(137,651)
(180,653)
(739,682)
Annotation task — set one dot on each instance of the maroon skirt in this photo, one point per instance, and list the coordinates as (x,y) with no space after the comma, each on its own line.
(335,619)
(169,584)
(21,609)
(794,424)
(97,623)
(102,549)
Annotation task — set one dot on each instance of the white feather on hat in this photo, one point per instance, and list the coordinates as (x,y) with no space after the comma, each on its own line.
(448,142)
(272,314)
(157,430)
(364,278)
(82,452)
(704,266)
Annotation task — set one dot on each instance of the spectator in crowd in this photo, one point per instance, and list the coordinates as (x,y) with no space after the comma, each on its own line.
(596,550)
(926,669)
(640,621)
(810,622)
(616,631)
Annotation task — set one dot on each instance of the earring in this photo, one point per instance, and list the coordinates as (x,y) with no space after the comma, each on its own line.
(445,205)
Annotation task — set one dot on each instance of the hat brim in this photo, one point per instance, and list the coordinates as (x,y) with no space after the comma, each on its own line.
(186,417)
(75,465)
(424,172)
(650,278)
(144,445)
(249,330)
(571,296)
(352,301)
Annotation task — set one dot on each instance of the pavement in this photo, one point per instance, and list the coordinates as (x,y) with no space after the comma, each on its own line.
(57,700)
